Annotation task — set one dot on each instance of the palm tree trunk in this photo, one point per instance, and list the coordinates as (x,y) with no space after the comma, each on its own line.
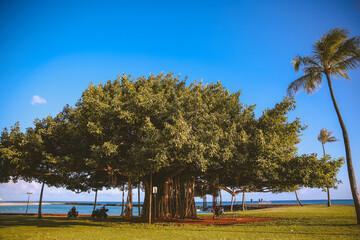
(95,199)
(40,201)
(298,200)
(352,179)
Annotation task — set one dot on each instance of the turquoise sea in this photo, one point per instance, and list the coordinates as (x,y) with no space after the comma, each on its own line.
(116,210)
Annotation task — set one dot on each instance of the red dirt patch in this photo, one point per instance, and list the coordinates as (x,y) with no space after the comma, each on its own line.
(220,222)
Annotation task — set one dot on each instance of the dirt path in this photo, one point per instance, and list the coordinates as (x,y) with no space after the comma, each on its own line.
(221,221)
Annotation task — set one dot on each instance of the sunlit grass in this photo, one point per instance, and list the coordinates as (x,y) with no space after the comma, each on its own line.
(308,222)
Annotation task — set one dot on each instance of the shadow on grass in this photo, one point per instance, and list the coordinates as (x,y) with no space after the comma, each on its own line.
(13,221)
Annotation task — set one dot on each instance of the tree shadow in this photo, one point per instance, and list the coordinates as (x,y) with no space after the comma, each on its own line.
(13,221)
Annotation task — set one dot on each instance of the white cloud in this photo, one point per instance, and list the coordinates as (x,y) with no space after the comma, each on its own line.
(37,100)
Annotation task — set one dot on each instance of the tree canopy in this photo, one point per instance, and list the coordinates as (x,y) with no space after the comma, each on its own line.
(162,131)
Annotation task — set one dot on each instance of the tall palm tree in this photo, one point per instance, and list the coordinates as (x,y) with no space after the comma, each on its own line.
(333,55)
(325,137)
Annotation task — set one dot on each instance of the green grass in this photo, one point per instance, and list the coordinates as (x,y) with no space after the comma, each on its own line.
(308,222)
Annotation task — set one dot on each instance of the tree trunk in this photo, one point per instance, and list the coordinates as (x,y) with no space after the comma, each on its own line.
(220,198)
(298,200)
(232,202)
(352,179)
(215,194)
(150,197)
(175,197)
(95,199)
(204,203)
(122,204)
(40,201)
(129,205)
(327,189)
(190,206)
(243,202)
(139,198)
(145,207)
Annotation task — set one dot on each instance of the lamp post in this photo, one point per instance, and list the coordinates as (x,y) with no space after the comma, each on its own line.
(27,206)
(155,192)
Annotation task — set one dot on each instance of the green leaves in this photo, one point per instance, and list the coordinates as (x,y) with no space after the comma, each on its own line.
(127,128)
(334,54)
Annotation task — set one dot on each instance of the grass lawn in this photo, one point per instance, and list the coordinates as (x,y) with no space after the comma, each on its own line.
(308,222)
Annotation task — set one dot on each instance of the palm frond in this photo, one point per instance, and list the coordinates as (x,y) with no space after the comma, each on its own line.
(337,72)
(296,85)
(349,47)
(326,47)
(333,139)
(335,35)
(313,84)
(298,61)
(350,63)
(313,70)
(322,136)
(325,136)
(309,82)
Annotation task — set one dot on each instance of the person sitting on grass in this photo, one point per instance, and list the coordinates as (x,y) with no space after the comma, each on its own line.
(73,210)
(217,212)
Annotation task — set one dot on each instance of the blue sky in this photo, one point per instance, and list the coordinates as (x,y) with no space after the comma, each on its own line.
(54,49)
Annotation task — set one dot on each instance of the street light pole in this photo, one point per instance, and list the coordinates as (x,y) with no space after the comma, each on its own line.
(27,206)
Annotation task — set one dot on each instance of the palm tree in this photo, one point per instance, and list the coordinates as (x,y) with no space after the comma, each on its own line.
(325,137)
(333,55)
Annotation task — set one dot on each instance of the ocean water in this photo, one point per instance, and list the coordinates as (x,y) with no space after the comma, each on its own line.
(63,209)
(116,210)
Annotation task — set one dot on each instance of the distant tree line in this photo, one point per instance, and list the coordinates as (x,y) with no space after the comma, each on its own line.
(186,139)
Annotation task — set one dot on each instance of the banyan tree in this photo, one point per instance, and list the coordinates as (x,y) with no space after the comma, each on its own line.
(163,132)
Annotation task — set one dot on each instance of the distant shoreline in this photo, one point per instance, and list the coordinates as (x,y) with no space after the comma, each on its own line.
(44,203)
(19,204)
